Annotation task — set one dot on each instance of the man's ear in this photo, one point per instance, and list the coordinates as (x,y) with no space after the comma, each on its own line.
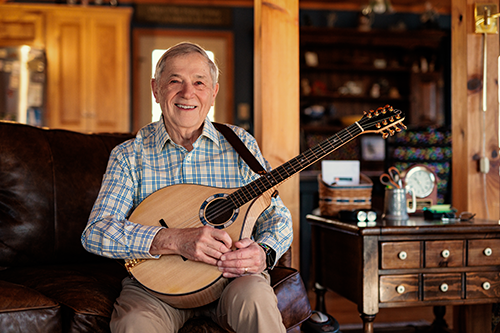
(153,89)
(216,90)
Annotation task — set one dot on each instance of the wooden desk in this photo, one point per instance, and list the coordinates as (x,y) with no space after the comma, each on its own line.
(412,263)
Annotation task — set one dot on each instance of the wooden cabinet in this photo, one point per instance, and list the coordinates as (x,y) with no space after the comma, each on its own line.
(408,263)
(21,26)
(88,79)
(448,265)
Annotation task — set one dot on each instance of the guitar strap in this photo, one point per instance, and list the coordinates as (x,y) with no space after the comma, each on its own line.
(240,148)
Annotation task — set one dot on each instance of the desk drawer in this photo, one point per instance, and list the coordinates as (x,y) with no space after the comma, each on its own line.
(482,285)
(399,288)
(442,286)
(484,252)
(444,253)
(397,255)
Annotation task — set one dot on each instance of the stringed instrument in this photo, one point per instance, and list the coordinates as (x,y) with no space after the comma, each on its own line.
(187,284)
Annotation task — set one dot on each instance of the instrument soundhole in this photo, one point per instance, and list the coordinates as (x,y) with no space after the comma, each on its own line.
(218,211)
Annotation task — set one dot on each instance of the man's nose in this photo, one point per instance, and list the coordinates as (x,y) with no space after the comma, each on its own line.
(187,90)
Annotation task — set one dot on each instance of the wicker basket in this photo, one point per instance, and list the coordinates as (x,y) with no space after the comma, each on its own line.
(334,198)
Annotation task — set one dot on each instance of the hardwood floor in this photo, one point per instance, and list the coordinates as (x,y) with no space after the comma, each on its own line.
(387,320)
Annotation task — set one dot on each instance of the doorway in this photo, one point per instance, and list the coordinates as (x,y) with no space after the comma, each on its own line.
(148,40)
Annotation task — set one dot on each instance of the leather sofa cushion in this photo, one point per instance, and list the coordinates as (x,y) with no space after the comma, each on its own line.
(86,292)
(293,302)
(49,180)
(26,310)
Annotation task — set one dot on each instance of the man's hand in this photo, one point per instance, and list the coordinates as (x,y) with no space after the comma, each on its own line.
(248,258)
(203,244)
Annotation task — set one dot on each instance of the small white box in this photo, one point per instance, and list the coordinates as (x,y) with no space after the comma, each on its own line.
(340,172)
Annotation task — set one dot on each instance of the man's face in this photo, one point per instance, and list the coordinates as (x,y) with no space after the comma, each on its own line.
(185,92)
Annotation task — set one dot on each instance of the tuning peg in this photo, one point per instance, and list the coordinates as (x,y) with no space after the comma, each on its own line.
(384,122)
(391,131)
(384,135)
(370,114)
(403,125)
(397,129)
(389,108)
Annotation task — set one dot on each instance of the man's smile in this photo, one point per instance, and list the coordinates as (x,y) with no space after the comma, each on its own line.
(186,107)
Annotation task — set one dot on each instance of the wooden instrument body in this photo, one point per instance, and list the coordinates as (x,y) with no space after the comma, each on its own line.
(186,283)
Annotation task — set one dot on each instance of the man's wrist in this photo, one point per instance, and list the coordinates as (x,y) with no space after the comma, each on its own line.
(270,255)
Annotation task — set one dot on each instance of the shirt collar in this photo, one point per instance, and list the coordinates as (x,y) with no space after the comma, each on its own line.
(210,131)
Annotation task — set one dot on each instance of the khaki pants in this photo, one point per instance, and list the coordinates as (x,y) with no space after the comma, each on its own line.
(247,305)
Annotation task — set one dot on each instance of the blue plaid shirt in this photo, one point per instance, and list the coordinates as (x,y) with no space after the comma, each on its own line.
(151,161)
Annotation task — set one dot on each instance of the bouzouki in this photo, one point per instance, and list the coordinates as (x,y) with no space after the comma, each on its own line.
(187,284)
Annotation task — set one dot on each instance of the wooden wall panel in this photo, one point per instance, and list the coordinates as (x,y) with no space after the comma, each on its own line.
(472,190)
(276,94)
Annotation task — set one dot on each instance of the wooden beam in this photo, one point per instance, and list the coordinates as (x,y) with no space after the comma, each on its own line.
(474,131)
(402,6)
(276,94)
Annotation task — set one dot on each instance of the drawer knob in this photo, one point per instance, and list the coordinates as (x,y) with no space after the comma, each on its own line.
(443,287)
(486,285)
(488,251)
(445,253)
(400,289)
(402,255)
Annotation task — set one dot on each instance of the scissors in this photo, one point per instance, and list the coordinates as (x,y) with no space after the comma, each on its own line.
(392,178)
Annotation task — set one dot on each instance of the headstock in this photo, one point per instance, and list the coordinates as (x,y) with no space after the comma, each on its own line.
(385,120)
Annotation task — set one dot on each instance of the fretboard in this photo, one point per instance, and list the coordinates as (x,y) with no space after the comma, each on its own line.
(295,165)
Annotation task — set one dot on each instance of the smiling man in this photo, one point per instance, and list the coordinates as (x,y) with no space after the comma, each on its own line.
(185,148)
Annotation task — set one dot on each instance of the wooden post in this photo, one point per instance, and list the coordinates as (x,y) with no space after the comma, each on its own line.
(474,131)
(276,95)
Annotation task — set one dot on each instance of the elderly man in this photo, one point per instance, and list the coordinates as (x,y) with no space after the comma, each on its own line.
(185,148)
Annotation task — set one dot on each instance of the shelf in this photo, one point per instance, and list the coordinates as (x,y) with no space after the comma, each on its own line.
(367,69)
(349,98)
(407,40)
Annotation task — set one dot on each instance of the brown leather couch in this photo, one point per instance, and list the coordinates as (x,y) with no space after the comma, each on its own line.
(49,180)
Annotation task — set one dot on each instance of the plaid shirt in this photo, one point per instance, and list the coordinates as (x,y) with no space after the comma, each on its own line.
(151,161)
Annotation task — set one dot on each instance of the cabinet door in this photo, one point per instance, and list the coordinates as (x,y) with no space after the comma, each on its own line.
(67,69)
(108,77)
(88,52)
